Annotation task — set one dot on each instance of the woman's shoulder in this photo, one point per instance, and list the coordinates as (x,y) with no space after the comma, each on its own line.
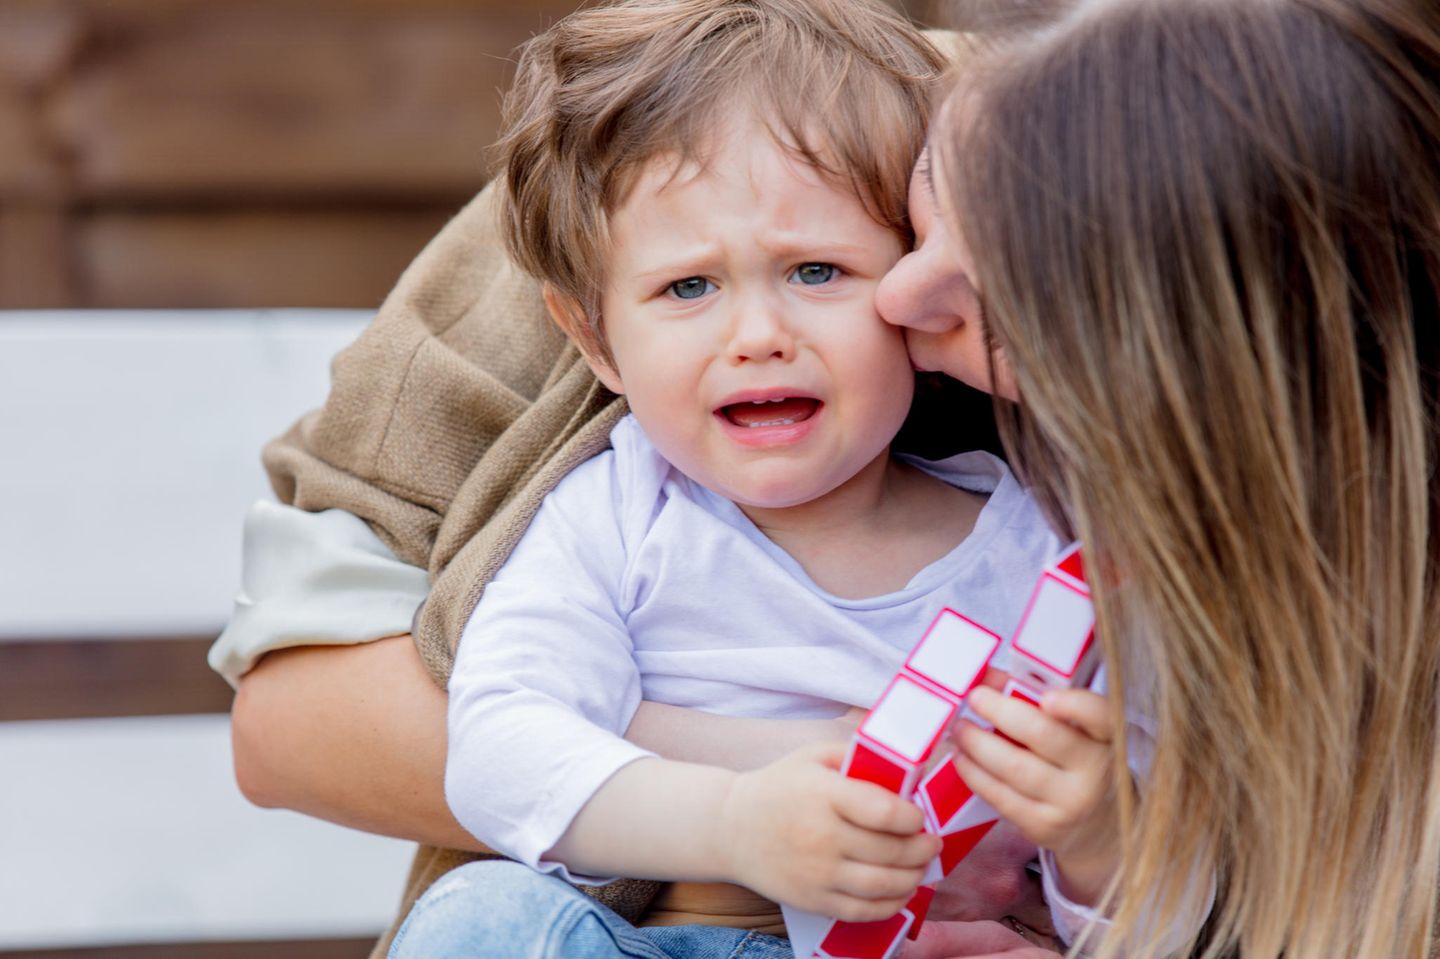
(627,480)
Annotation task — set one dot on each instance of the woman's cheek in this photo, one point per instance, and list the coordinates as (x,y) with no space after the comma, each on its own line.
(955,353)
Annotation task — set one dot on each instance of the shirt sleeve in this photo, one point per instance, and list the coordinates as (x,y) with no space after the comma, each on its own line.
(545,682)
(1071,918)
(313,579)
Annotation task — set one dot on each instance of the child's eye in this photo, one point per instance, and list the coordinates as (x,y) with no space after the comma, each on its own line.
(691,288)
(815,274)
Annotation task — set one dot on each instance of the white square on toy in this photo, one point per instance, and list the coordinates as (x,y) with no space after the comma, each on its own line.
(1057,625)
(954,652)
(908,719)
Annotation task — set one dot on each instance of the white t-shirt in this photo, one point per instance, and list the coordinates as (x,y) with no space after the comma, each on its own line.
(326,578)
(634,582)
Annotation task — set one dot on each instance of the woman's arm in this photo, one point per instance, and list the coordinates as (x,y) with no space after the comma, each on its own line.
(351,734)
(356,735)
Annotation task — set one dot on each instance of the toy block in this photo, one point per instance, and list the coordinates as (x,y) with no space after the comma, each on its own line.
(934,871)
(1015,689)
(957,845)
(918,906)
(908,720)
(1055,641)
(1054,645)
(866,940)
(953,653)
(805,930)
(943,793)
(973,812)
(821,937)
(971,716)
(954,848)
(870,765)
(1073,565)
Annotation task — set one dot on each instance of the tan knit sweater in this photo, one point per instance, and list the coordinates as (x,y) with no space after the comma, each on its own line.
(448,421)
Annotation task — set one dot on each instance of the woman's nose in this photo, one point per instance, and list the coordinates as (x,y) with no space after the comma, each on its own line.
(919,293)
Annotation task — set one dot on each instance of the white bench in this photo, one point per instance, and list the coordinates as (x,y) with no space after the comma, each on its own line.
(131,444)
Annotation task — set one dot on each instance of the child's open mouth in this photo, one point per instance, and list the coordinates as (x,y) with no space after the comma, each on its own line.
(786,411)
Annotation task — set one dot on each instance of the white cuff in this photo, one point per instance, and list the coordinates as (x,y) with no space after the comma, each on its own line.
(313,579)
(1071,918)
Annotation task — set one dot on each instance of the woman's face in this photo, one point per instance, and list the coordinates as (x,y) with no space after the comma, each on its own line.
(929,292)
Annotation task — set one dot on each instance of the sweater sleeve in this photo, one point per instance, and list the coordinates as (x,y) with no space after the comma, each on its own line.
(545,683)
(448,420)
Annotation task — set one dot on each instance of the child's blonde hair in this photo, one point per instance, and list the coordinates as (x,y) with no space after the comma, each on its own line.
(845,84)
(1211,257)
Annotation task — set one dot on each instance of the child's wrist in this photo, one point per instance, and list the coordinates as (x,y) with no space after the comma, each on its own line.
(1083,878)
(731,816)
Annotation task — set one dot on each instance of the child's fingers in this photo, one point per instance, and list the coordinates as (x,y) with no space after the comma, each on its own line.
(883,849)
(1043,734)
(1018,768)
(854,909)
(877,884)
(1009,802)
(1090,712)
(872,807)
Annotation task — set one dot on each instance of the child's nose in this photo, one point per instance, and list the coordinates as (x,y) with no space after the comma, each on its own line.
(759,331)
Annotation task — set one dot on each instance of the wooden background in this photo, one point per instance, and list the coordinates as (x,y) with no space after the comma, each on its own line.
(225,153)
(214,153)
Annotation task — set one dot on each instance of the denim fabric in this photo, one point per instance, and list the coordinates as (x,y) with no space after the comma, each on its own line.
(503,910)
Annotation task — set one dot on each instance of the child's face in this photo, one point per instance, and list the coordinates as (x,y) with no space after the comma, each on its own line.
(739,307)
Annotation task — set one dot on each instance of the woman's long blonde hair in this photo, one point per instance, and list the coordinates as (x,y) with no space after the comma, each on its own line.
(1208,238)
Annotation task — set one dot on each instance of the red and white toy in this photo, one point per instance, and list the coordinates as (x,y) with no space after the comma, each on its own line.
(1053,647)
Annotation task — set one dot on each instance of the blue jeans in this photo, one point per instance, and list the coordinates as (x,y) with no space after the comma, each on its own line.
(502,910)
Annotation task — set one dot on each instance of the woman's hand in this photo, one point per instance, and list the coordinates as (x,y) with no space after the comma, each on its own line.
(800,833)
(981,940)
(995,881)
(1052,779)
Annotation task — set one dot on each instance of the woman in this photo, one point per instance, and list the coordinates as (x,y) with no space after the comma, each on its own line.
(1207,241)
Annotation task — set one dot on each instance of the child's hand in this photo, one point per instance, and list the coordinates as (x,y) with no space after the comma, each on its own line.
(800,833)
(1058,789)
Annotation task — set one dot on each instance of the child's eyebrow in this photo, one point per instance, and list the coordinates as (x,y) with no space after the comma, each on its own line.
(683,263)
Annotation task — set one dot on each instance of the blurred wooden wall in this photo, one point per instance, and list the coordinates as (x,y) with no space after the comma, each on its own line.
(213,153)
(210,153)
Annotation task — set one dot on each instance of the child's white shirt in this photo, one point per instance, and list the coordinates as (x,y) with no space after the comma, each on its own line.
(634,582)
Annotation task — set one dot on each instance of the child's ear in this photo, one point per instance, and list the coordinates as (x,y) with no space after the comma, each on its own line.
(572,321)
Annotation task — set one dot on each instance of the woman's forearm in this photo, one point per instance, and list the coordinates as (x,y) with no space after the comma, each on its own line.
(356,735)
(351,734)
